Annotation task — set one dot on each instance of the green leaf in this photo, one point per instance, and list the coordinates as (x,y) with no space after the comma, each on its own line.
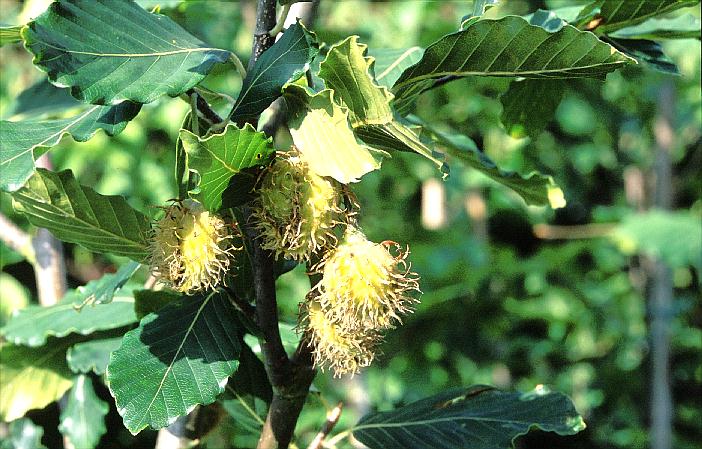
(92,356)
(685,26)
(508,47)
(548,20)
(23,434)
(149,301)
(619,14)
(349,74)
(391,62)
(22,142)
(77,214)
(10,34)
(535,188)
(178,357)
(658,234)
(130,54)
(321,131)
(32,325)
(648,52)
(32,378)
(529,105)
(477,418)
(286,61)
(43,98)
(218,157)
(101,291)
(251,377)
(396,136)
(83,418)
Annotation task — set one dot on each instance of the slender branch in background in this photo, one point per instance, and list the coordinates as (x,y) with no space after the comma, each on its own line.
(661,280)
(204,107)
(15,238)
(588,231)
(281,21)
(49,263)
(332,418)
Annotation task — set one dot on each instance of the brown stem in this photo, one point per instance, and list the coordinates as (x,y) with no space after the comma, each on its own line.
(332,418)
(49,263)
(15,238)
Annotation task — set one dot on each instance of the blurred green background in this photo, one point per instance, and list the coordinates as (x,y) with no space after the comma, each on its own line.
(514,296)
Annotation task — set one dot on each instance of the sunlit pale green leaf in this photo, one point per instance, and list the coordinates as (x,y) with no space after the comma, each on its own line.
(92,355)
(685,26)
(102,290)
(658,233)
(23,434)
(83,418)
(32,325)
(131,54)
(10,34)
(321,131)
(32,378)
(220,156)
(477,417)
(24,141)
(617,14)
(77,214)
(348,72)
(178,357)
(511,47)
(521,115)
(284,62)
(391,62)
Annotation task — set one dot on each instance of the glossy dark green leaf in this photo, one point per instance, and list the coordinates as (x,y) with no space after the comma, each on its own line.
(23,434)
(251,377)
(685,26)
(22,142)
(43,98)
(219,157)
(92,356)
(521,115)
(535,188)
(83,419)
(32,378)
(284,62)
(391,62)
(130,54)
(508,47)
(648,52)
(77,214)
(619,14)
(32,325)
(149,301)
(477,418)
(178,357)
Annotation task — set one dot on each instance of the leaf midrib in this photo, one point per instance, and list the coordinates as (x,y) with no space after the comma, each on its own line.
(132,55)
(180,347)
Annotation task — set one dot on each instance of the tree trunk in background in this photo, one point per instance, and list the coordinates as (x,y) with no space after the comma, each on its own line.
(661,280)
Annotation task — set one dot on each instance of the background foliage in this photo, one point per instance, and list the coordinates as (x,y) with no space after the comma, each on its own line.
(504,302)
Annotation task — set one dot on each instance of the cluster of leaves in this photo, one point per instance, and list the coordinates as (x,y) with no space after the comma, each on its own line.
(163,354)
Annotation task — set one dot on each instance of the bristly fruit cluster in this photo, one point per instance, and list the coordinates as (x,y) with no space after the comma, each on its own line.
(364,287)
(191,249)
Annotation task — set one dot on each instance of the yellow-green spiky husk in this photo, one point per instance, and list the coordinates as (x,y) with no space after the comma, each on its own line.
(191,249)
(297,210)
(333,346)
(364,285)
